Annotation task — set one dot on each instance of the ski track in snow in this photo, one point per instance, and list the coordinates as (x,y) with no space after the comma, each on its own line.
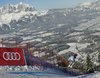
(30,72)
(38,72)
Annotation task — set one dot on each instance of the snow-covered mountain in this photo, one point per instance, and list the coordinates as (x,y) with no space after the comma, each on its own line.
(15,17)
(11,17)
(90,5)
(9,8)
(23,18)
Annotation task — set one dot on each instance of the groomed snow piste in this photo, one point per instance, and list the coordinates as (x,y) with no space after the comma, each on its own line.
(38,72)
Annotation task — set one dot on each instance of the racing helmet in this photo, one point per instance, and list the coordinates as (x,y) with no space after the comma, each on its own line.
(76,54)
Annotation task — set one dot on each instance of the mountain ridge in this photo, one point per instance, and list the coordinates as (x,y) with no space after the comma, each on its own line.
(12,15)
(9,8)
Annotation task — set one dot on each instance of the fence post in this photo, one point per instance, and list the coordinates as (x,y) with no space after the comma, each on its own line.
(34,49)
(45,57)
(24,57)
(50,57)
(57,60)
(27,52)
(39,55)
(53,59)
(30,55)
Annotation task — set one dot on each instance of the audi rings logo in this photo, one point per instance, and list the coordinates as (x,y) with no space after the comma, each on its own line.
(11,56)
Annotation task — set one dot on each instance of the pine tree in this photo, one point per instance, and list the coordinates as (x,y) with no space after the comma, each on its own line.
(88,63)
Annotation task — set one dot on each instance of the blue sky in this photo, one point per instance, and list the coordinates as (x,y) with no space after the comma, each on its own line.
(46,4)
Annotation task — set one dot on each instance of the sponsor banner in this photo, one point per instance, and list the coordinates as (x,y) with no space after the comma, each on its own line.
(11,56)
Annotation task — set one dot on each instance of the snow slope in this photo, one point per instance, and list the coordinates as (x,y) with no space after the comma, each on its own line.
(73,49)
(93,75)
(30,72)
(38,72)
(93,24)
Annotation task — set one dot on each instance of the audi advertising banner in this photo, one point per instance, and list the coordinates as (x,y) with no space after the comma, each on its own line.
(11,56)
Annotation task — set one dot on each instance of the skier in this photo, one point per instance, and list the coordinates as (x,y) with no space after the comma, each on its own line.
(73,59)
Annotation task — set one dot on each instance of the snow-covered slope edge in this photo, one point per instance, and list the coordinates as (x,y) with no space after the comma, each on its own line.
(30,72)
(38,72)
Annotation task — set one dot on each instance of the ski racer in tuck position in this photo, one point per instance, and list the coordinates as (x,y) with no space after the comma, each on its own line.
(72,60)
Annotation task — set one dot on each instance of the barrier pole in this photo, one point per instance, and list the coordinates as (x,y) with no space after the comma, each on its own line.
(39,55)
(45,57)
(30,55)
(34,49)
(50,57)
(57,60)
(27,52)
(24,58)
(53,61)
